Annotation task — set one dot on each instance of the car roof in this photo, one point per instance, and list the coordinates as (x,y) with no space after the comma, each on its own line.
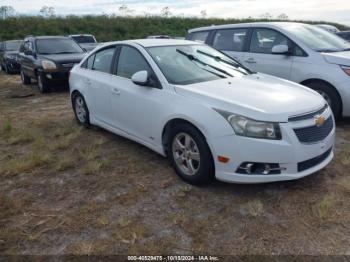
(80,35)
(155,42)
(226,26)
(47,37)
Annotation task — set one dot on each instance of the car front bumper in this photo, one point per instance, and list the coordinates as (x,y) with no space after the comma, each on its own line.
(296,159)
(13,65)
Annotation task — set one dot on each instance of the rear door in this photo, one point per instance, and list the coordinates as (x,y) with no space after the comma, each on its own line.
(232,42)
(260,57)
(98,82)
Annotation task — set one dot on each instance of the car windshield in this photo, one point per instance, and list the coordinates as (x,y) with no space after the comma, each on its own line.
(318,39)
(189,64)
(57,46)
(84,39)
(12,45)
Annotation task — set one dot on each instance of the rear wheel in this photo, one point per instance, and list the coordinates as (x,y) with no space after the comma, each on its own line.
(80,110)
(25,79)
(329,94)
(190,155)
(43,84)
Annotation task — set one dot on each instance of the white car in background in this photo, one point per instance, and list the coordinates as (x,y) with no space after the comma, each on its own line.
(302,53)
(329,28)
(210,115)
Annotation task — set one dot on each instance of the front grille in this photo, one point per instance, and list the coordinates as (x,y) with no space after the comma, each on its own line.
(309,115)
(314,134)
(314,161)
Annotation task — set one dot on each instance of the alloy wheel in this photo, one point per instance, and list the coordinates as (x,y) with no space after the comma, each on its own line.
(186,154)
(80,109)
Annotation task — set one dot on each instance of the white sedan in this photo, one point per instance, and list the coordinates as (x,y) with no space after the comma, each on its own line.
(211,116)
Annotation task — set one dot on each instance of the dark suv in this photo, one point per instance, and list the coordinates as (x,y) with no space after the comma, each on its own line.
(9,51)
(48,59)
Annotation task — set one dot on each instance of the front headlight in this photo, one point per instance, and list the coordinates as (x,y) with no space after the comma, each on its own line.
(244,126)
(48,65)
(346,69)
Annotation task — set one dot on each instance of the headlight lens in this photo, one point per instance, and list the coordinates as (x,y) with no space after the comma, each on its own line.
(244,126)
(346,69)
(48,65)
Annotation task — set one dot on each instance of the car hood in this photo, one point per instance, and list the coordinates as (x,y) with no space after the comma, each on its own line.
(257,96)
(64,58)
(11,52)
(339,58)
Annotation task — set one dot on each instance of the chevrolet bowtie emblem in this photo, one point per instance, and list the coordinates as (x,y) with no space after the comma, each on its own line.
(319,120)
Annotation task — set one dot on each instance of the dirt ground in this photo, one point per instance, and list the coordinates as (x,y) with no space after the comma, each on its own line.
(65,189)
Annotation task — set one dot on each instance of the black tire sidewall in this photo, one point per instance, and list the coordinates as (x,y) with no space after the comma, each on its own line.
(206,172)
(45,85)
(25,79)
(331,93)
(87,119)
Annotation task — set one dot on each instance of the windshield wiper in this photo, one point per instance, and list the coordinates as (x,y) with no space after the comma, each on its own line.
(236,64)
(193,58)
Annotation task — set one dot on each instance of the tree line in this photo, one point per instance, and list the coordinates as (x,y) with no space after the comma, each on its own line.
(113,27)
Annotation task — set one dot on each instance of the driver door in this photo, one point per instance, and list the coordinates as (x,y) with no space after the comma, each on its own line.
(136,109)
(260,57)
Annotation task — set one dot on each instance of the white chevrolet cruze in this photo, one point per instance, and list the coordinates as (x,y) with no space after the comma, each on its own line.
(209,114)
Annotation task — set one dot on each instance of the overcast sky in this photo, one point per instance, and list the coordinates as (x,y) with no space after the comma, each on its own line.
(331,10)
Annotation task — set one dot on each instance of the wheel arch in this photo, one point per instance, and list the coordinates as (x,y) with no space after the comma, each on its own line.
(170,123)
(317,80)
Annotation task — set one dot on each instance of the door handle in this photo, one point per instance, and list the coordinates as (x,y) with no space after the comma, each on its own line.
(116,91)
(250,61)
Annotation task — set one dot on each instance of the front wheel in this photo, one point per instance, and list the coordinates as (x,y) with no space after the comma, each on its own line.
(25,79)
(43,84)
(190,155)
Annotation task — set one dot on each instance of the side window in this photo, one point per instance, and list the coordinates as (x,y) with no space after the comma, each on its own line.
(88,63)
(102,60)
(200,36)
(131,61)
(264,39)
(230,39)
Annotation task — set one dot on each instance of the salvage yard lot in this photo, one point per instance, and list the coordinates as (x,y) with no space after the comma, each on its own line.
(65,189)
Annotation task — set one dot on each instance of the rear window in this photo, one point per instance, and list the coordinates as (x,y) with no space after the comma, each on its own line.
(12,45)
(230,39)
(199,36)
(84,39)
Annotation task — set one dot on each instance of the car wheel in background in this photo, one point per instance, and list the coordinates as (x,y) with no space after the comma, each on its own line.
(43,84)
(190,155)
(25,79)
(80,109)
(7,70)
(329,94)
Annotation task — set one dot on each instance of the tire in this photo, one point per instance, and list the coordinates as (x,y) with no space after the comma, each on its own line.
(192,161)
(25,79)
(7,70)
(81,111)
(43,84)
(330,95)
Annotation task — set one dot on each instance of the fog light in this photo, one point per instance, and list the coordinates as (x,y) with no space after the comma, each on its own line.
(251,168)
(49,76)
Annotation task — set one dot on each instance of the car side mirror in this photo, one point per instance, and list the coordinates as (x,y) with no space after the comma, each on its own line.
(280,50)
(140,78)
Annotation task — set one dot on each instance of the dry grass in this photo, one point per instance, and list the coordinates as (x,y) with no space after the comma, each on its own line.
(70,190)
(25,164)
